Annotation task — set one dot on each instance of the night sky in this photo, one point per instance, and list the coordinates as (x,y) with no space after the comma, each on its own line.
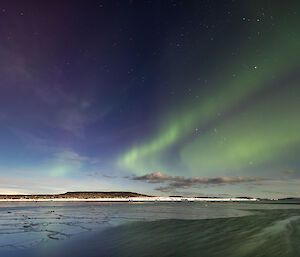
(158,97)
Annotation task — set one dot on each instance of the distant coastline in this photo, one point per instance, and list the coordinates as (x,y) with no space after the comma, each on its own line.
(130,197)
(72,195)
(114,197)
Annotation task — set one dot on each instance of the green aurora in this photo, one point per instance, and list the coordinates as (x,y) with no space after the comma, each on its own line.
(266,127)
(156,97)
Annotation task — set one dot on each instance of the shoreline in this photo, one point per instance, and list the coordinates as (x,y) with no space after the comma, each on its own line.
(133,199)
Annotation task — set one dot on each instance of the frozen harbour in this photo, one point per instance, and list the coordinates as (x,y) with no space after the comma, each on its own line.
(61,228)
(29,223)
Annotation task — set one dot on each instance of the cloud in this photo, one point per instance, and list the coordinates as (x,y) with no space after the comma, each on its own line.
(46,184)
(185,183)
(71,156)
(67,161)
(74,120)
(93,174)
(56,159)
(96,174)
(289,172)
(108,176)
(156,177)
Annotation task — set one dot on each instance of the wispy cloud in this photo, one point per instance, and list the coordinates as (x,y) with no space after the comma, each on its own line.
(71,156)
(176,182)
(56,159)
(68,161)
(93,174)
(108,176)
(33,185)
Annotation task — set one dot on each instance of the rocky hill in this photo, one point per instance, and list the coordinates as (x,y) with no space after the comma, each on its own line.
(81,195)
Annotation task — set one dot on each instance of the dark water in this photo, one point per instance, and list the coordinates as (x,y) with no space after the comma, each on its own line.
(160,229)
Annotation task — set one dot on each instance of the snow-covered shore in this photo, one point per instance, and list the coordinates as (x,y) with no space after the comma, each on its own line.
(133,199)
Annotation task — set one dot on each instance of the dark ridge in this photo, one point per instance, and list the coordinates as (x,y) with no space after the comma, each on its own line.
(290,199)
(81,195)
(243,197)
